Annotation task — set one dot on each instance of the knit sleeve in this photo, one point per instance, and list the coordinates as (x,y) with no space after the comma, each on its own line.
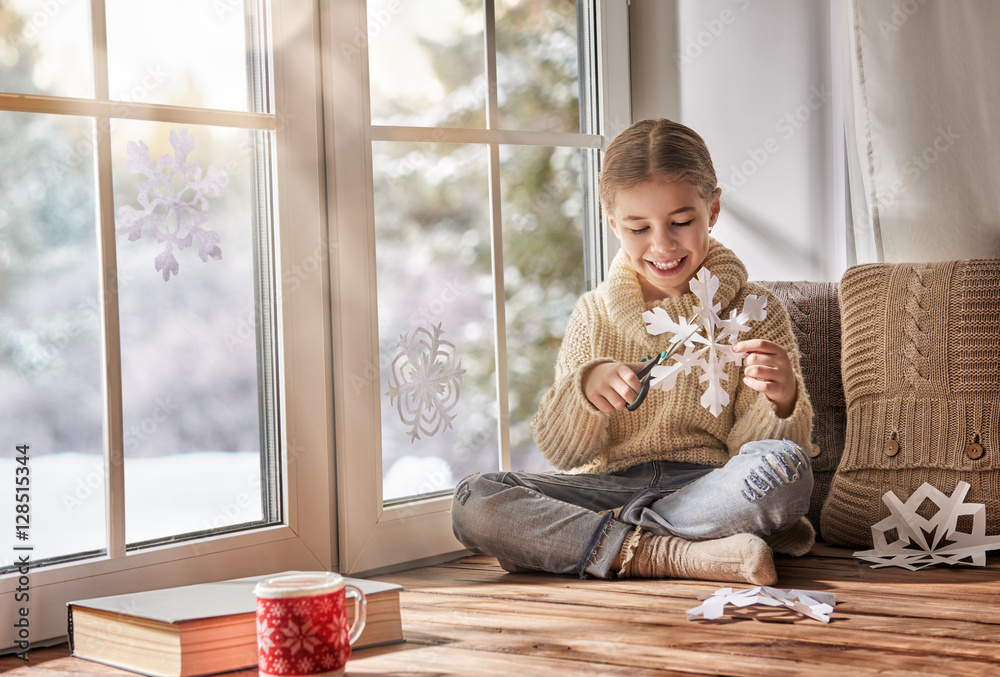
(567,428)
(756,417)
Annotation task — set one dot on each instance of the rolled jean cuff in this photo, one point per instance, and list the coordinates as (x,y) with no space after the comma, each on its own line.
(590,547)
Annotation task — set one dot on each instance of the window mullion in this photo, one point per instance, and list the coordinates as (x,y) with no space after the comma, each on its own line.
(114,459)
(496,233)
(262,163)
(490,35)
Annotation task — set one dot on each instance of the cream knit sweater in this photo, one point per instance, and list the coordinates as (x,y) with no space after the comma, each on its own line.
(606,326)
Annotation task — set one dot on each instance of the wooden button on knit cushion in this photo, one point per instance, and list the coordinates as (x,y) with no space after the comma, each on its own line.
(974,451)
(919,359)
(813,450)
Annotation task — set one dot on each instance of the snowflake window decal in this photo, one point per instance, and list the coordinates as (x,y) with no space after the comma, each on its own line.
(424,382)
(921,542)
(174,200)
(713,336)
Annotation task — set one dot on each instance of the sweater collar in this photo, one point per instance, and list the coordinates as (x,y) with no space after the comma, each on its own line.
(626,303)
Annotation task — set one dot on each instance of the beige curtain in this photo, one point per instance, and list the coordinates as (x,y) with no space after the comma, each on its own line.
(923,129)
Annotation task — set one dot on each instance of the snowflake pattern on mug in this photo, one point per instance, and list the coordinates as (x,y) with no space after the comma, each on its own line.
(302,636)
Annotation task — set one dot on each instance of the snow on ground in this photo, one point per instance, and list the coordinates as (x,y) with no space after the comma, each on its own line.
(163,495)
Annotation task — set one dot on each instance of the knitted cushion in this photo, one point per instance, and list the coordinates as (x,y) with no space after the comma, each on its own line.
(814,311)
(922,383)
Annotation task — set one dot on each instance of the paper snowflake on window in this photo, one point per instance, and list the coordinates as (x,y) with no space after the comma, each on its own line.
(921,542)
(816,605)
(713,336)
(424,382)
(174,200)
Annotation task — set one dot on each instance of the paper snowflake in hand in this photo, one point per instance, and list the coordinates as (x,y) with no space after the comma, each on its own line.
(816,605)
(424,382)
(921,542)
(174,200)
(714,336)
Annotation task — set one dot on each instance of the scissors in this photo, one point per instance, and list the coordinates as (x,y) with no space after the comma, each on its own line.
(645,374)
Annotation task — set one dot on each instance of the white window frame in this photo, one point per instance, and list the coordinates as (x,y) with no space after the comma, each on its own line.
(375,537)
(307,537)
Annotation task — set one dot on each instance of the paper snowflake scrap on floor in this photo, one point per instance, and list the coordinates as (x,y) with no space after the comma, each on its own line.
(174,200)
(423,384)
(921,542)
(816,605)
(713,335)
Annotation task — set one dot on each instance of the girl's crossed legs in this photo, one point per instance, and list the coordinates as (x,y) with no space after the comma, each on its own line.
(564,523)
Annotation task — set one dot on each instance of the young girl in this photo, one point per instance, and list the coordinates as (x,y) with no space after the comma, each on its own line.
(669,489)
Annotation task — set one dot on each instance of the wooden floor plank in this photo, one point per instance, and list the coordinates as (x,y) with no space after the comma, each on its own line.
(469,617)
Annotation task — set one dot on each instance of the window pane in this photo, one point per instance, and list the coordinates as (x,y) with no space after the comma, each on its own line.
(188,328)
(179,52)
(436,319)
(46,48)
(543,278)
(426,65)
(537,65)
(50,329)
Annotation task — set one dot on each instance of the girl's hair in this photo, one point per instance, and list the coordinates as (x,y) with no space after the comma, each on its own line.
(651,148)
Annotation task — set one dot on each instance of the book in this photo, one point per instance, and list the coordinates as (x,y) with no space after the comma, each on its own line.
(201,629)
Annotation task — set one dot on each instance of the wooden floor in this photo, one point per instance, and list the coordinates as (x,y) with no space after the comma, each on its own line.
(469,617)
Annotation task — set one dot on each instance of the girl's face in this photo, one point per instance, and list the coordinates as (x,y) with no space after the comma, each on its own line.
(663,228)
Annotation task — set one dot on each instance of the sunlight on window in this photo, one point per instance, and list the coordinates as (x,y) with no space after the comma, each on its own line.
(189,346)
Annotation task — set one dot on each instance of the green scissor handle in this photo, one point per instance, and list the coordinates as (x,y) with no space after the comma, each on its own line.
(645,374)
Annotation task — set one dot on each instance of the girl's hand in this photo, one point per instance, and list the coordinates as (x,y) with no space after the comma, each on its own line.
(767,369)
(609,386)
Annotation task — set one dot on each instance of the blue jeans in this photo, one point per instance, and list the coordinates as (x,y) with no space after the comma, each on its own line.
(557,522)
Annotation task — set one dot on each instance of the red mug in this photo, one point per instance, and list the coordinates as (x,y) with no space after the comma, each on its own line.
(302,624)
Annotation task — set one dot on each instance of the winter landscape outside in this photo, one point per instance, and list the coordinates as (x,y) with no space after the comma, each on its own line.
(192,412)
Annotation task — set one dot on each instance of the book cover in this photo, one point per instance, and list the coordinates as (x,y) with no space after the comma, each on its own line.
(200,629)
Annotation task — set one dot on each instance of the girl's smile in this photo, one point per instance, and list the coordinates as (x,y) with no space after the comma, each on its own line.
(663,228)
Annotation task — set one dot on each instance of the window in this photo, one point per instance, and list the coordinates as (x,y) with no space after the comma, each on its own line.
(162,321)
(303,225)
(467,228)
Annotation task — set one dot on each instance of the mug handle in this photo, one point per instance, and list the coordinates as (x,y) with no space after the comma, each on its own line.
(360,611)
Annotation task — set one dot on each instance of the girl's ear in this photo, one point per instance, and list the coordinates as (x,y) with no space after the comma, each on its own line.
(714,206)
(611,222)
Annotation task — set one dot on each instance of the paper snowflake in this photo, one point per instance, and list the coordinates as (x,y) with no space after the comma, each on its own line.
(816,605)
(174,200)
(921,542)
(714,334)
(424,382)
